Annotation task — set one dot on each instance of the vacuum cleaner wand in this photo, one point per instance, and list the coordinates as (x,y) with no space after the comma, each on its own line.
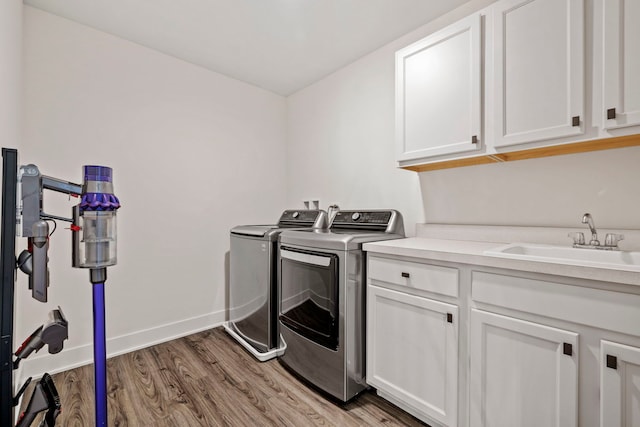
(94,247)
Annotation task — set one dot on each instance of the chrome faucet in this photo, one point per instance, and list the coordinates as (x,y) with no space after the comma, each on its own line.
(587,219)
(610,242)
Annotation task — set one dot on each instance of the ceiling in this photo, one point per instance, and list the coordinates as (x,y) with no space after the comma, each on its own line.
(278,45)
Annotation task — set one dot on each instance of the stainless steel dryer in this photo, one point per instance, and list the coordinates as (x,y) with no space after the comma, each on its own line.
(253,290)
(322,298)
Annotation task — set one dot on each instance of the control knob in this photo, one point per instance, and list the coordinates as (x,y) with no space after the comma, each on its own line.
(296,214)
(355,216)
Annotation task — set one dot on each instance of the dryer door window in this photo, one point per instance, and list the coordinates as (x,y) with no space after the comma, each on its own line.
(309,294)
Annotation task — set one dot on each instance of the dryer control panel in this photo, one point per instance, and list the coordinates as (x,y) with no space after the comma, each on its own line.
(384,221)
(362,217)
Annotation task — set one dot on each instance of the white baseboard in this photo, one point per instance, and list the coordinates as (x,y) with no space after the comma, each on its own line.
(70,358)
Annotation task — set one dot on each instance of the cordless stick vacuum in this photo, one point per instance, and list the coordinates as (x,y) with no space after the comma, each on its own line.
(94,247)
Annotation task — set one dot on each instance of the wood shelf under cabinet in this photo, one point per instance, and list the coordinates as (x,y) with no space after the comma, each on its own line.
(534,153)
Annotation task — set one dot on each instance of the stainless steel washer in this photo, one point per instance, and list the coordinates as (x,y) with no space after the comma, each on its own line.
(322,298)
(253,290)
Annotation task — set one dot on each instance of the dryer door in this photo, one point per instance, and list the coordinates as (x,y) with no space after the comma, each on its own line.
(309,294)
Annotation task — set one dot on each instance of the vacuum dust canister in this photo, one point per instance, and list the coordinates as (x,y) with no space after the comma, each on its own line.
(94,220)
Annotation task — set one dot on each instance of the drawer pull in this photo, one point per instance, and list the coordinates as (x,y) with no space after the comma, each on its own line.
(612,362)
(407,275)
(575,121)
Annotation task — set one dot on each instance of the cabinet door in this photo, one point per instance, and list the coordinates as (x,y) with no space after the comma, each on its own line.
(621,71)
(412,351)
(522,373)
(438,93)
(538,70)
(620,385)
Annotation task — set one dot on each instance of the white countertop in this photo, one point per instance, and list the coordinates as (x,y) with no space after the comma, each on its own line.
(472,252)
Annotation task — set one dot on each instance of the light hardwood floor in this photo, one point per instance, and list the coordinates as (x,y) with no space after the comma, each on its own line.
(207,379)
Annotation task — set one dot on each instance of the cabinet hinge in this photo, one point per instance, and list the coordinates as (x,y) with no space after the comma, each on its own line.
(611,113)
(575,121)
(449,318)
(612,362)
(567,349)
(474,139)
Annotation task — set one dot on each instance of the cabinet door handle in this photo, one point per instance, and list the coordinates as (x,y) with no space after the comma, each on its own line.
(575,121)
(449,318)
(611,113)
(407,275)
(474,139)
(567,349)
(612,362)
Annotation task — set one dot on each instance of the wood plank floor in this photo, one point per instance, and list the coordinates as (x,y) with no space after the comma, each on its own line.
(207,379)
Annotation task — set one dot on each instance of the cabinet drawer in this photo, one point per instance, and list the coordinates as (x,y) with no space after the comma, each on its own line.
(615,311)
(424,277)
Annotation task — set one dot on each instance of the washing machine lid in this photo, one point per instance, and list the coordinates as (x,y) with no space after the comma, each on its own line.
(253,230)
(290,219)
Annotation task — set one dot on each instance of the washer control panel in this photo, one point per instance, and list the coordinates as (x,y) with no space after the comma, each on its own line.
(362,217)
(316,218)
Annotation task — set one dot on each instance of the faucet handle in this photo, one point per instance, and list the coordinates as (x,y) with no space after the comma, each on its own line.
(612,239)
(578,238)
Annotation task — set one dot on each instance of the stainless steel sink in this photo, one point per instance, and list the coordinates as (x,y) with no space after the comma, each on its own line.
(618,260)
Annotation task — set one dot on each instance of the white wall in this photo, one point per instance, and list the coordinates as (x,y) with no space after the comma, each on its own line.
(193,152)
(340,146)
(340,134)
(10,72)
(549,192)
(341,149)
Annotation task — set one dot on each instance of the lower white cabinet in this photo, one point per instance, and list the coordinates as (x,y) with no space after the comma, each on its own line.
(412,353)
(522,373)
(472,346)
(619,385)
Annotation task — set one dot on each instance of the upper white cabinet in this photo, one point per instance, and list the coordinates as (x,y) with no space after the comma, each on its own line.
(512,78)
(538,70)
(438,92)
(621,57)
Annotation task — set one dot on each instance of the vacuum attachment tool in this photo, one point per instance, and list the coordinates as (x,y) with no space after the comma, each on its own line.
(53,333)
(33,261)
(44,398)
